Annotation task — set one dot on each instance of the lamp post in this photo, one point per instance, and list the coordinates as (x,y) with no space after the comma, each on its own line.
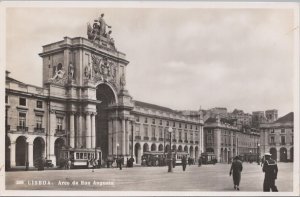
(117,150)
(258,154)
(170,166)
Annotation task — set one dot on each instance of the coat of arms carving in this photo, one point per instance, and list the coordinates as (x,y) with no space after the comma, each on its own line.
(103,69)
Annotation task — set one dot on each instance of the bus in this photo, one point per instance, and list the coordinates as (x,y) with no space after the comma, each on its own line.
(80,157)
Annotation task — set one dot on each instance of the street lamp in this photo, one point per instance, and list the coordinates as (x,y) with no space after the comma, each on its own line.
(258,153)
(170,166)
(117,150)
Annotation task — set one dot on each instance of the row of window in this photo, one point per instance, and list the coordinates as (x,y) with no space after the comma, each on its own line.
(281,131)
(162,134)
(137,119)
(23,102)
(282,140)
(39,121)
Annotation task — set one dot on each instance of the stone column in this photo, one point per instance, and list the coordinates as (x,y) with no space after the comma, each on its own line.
(217,141)
(51,144)
(79,130)
(30,154)
(115,137)
(128,140)
(72,132)
(123,137)
(94,130)
(13,154)
(88,130)
(110,128)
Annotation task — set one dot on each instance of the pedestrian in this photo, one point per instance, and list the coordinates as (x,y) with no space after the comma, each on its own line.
(174,162)
(235,170)
(69,164)
(270,169)
(120,163)
(199,161)
(183,161)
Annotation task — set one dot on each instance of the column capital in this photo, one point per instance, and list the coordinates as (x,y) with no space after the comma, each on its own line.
(52,111)
(94,113)
(78,113)
(87,113)
(72,112)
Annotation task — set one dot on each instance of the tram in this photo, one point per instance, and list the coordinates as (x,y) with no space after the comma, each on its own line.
(153,158)
(80,157)
(208,158)
(159,158)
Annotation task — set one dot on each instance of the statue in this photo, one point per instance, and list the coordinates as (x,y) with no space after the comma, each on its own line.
(122,81)
(58,74)
(71,71)
(103,25)
(88,71)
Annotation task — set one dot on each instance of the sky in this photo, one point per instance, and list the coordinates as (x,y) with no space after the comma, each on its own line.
(184,59)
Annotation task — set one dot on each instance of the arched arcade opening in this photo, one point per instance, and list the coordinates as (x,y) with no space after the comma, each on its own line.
(21,151)
(105,94)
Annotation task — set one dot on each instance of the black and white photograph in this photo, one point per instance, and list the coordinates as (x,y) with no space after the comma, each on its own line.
(155,98)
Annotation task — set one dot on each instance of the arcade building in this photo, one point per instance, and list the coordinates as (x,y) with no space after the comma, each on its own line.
(84,104)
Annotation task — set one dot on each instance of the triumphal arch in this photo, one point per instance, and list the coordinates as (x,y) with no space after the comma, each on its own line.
(89,106)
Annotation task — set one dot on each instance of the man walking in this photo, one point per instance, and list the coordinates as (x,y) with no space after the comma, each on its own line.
(235,170)
(270,169)
(183,161)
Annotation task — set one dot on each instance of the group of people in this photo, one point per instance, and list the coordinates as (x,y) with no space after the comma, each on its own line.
(269,167)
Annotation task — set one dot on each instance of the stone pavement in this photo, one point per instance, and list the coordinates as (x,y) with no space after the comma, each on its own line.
(205,178)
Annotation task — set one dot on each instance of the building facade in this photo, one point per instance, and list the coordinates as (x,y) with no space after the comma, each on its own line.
(223,138)
(277,137)
(84,104)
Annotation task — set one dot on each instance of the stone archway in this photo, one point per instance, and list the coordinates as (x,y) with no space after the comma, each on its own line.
(192,152)
(59,143)
(179,148)
(160,147)
(273,153)
(146,148)
(167,148)
(186,149)
(106,95)
(283,154)
(225,155)
(153,147)
(137,153)
(292,154)
(222,156)
(21,151)
(196,153)
(174,147)
(38,148)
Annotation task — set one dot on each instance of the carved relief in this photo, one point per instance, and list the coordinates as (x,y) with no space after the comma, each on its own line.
(103,69)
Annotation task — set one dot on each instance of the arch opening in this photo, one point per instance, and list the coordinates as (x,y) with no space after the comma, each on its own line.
(283,154)
(21,151)
(105,94)
(59,143)
(273,153)
(38,148)
(137,153)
